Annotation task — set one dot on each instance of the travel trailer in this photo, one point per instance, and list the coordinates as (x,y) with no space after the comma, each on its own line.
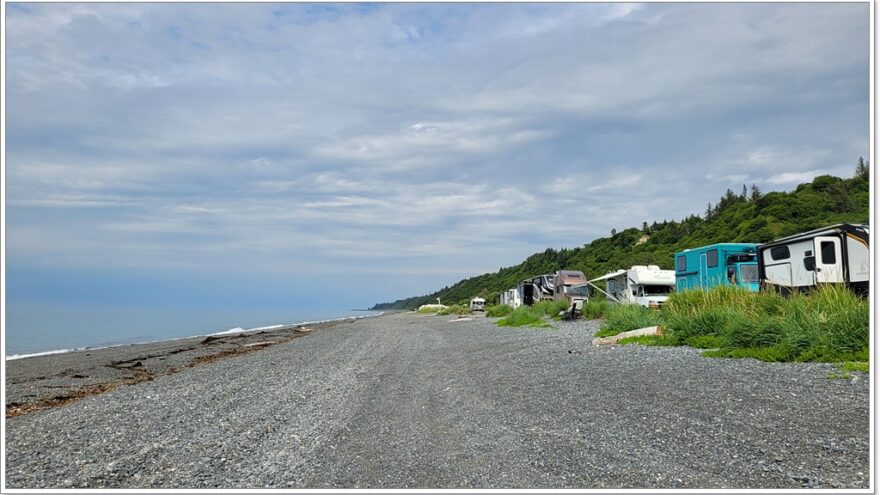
(478,304)
(569,284)
(838,254)
(511,297)
(718,264)
(646,285)
(536,289)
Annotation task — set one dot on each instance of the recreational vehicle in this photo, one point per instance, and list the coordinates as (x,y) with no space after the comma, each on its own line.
(536,289)
(478,304)
(511,297)
(646,285)
(838,254)
(570,284)
(718,264)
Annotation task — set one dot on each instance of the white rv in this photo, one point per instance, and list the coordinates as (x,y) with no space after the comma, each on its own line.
(646,285)
(511,297)
(838,254)
(478,304)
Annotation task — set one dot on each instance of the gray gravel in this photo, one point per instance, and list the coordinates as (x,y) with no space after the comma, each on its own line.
(408,401)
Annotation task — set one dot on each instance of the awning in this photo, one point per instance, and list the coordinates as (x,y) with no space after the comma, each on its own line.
(608,275)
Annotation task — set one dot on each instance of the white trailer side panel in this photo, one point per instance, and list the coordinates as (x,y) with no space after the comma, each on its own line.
(790,272)
(859,257)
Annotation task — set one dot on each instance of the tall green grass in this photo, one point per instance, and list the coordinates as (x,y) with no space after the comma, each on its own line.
(455,309)
(533,316)
(623,317)
(499,310)
(524,316)
(595,309)
(552,308)
(829,324)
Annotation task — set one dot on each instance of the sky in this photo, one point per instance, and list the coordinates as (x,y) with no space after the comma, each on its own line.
(221,154)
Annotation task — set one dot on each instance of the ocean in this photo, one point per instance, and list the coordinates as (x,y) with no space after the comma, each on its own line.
(41,328)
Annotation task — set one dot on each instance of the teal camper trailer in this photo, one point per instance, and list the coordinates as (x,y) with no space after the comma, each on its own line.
(717,264)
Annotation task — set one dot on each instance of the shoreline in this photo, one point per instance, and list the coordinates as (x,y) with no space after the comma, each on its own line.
(231,331)
(52,380)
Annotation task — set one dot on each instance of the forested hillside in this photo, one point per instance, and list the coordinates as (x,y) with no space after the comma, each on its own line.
(750,216)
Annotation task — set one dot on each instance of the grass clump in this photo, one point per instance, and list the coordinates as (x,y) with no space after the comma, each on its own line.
(595,309)
(863,367)
(429,310)
(829,324)
(499,311)
(524,316)
(624,317)
(455,309)
(552,308)
(651,340)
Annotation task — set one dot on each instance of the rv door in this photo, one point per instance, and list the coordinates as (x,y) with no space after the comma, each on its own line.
(829,266)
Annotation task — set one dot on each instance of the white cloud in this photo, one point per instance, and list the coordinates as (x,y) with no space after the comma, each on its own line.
(407,137)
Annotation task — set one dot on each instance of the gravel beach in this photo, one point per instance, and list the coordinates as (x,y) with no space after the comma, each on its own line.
(411,401)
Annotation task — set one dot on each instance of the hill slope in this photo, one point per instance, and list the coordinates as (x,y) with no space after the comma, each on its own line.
(746,217)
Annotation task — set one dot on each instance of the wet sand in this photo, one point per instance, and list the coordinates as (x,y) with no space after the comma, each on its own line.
(54,380)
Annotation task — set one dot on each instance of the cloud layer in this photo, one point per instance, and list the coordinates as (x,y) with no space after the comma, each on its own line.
(406,139)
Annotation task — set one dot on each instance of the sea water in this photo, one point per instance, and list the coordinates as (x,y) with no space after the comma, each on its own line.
(43,328)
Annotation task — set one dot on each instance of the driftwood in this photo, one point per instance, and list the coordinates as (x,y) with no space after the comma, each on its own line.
(655,330)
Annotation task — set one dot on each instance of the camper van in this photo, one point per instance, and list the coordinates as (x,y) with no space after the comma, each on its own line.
(718,264)
(478,304)
(838,254)
(569,284)
(511,297)
(646,285)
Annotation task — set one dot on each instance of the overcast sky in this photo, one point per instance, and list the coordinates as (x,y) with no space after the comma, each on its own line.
(400,147)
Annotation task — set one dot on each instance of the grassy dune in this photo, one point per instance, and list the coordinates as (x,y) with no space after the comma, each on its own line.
(829,324)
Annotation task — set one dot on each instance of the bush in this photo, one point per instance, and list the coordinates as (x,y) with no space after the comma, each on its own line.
(499,310)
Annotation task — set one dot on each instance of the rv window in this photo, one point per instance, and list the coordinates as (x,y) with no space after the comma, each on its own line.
(656,290)
(829,257)
(749,274)
(682,263)
(810,263)
(780,253)
(611,286)
(712,258)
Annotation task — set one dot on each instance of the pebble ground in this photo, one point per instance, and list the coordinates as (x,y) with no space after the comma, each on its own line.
(410,401)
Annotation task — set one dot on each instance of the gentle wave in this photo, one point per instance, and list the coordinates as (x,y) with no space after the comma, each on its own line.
(224,332)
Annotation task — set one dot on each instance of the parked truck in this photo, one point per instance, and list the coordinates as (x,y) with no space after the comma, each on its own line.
(705,267)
